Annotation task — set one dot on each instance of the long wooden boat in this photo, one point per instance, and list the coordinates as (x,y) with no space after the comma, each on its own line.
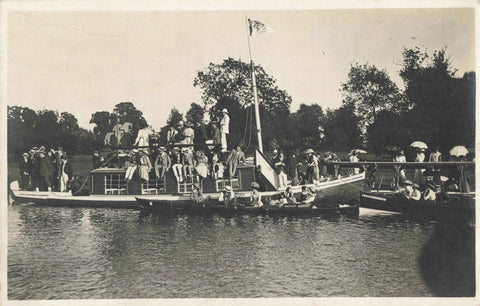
(108,188)
(452,206)
(213,206)
(459,207)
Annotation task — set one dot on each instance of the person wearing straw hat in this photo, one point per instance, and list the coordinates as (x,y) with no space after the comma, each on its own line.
(354,159)
(145,166)
(25,167)
(196,195)
(312,166)
(132,165)
(163,162)
(255,196)
(176,158)
(224,129)
(187,162)
(227,196)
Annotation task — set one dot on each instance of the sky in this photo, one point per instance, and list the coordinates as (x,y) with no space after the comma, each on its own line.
(87,61)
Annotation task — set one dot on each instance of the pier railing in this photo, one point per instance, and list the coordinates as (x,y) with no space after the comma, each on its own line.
(406,165)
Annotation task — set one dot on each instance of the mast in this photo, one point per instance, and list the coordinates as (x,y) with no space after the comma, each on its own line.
(254,85)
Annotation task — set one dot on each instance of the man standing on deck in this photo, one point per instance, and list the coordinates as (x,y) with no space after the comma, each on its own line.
(224,129)
(25,170)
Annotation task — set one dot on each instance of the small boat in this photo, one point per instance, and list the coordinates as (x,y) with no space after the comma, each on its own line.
(212,206)
(458,208)
(449,206)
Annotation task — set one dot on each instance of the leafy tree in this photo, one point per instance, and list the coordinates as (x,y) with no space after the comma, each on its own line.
(21,123)
(175,117)
(123,112)
(369,90)
(388,129)
(103,123)
(341,129)
(48,128)
(195,113)
(229,85)
(309,121)
(443,106)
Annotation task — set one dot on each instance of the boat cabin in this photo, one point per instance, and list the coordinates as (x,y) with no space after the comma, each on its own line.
(111,181)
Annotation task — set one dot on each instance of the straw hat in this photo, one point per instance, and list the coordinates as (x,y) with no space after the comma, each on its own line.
(228,188)
(196,185)
(255,185)
(225,111)
(309,151)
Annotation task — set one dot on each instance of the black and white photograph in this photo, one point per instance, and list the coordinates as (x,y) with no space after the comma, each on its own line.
(238,153)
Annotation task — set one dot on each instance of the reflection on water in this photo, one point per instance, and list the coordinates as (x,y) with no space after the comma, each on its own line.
(65,253)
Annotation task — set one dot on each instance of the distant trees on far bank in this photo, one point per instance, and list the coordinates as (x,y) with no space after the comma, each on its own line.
(435,107)
(27,128)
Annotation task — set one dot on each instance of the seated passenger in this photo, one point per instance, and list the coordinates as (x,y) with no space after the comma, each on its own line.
(176,159)
(286,197)
(132,165)
(227,196)
(197,195)
(256,197)
(411,191)
(307,196)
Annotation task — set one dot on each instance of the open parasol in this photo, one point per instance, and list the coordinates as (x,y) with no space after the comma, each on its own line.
(419,145)
(458,151)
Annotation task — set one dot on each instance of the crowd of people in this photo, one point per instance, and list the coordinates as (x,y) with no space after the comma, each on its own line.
(43,169)
(183,161)
(319,167)
(427,183)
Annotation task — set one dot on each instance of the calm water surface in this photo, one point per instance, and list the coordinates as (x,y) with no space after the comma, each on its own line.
(77,253)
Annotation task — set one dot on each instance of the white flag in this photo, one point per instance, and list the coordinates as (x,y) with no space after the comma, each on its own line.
(256,26)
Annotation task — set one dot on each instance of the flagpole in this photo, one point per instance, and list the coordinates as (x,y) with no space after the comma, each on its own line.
(255,99)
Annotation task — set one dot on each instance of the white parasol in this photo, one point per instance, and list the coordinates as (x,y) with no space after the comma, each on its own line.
(419,145)
(458,151)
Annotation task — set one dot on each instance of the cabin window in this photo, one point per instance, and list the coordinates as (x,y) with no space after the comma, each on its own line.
(235,182)
(115,184)
(186,185)
(154,186)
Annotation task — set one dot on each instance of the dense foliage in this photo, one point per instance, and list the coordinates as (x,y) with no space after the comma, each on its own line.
(435,107)
(27,128)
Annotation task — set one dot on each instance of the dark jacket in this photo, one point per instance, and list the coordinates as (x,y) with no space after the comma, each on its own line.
(25,166)
(46,167)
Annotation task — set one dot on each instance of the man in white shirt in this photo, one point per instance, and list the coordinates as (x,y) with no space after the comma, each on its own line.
(224,129)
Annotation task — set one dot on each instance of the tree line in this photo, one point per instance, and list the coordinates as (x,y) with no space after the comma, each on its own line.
(435,106)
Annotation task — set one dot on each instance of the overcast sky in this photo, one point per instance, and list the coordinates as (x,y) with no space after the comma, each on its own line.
(87,61)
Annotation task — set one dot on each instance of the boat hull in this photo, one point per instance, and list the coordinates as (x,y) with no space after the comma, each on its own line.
(460,208)
(344,190)
(212,206)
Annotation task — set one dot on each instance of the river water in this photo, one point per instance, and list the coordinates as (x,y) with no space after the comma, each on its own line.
(98,253)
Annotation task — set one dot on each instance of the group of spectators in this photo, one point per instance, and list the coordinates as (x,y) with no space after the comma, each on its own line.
(319,167)
(214,132)
(183,161)
(44,169)
(429,183)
